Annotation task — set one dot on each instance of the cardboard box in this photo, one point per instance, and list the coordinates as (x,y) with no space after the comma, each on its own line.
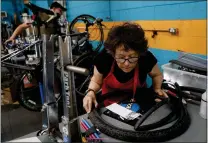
(6,97)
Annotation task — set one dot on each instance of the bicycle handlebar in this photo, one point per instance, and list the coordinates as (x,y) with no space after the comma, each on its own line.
(18,52)
(17,66)
(98,20)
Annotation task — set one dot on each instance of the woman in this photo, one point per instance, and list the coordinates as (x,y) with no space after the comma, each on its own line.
(124,64)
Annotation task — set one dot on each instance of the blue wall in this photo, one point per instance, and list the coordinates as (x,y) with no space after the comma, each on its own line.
(49,2)
(94,8)
(8,7)
(42,3)
(157,10)
(139,10)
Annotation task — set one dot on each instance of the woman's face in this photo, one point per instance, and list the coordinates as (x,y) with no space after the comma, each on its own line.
(57,10)
(126,60)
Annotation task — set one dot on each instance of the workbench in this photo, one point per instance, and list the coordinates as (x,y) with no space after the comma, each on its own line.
(197,131)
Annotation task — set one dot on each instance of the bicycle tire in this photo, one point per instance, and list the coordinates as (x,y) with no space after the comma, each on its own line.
(193,89)
(149,112)
(21,98)
(178,128)
(190,89)
(168,119)
(71,28)
(145,136)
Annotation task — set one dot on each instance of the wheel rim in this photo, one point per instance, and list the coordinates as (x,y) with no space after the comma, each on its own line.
(96,32)
(30,98)
(81,81)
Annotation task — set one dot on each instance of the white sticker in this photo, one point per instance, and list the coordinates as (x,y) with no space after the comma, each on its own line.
(123,112)
(65,130)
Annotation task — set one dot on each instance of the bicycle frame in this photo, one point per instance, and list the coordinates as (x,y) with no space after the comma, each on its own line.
(16,52)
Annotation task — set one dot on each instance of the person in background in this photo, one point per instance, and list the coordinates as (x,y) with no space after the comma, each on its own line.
(51,29)
(15,21)
(124,64)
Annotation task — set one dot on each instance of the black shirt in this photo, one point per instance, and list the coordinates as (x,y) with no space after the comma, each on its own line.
(52,27)
(104,61)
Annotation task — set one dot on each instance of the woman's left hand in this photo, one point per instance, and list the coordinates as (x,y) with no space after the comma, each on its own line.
(162,93)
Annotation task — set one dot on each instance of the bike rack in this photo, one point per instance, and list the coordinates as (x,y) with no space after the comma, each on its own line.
(69,125)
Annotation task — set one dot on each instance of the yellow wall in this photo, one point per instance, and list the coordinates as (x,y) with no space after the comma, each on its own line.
(192,34)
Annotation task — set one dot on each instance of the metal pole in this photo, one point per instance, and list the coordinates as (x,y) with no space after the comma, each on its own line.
(73,112)
(66,103)
(50,108)
(36,49)
(70,130)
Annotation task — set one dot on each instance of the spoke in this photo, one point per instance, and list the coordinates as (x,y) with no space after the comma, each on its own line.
(81,86)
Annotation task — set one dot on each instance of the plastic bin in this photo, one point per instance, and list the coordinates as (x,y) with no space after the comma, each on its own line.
(183,78)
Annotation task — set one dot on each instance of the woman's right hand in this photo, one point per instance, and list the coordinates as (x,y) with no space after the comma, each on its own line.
(88,100)
(9,40)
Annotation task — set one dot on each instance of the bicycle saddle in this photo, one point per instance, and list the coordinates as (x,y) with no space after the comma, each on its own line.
(36,8)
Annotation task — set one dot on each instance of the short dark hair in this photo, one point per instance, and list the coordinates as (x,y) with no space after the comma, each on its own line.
(57,5)
(130,35)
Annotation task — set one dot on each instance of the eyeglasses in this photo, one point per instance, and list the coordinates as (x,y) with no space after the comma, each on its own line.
(130,60)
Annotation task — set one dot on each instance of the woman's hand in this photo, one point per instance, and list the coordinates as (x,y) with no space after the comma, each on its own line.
(10,40)
(88,100)
(157,78)
(18,31)
(161,93)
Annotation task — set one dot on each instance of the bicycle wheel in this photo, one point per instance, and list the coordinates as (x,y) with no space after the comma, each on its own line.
(96,31)
(6,78)
(29,94)
(82,81)
(148,132)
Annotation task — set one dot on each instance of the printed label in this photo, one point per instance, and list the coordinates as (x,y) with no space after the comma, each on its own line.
(66,87)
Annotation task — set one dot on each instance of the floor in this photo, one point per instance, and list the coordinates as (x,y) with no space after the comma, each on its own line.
(17,121)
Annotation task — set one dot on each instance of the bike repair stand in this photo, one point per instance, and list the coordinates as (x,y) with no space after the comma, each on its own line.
(50,121)
(69,127)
